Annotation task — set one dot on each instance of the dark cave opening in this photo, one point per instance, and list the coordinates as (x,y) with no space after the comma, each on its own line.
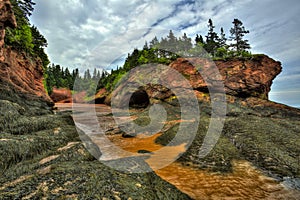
(139,99)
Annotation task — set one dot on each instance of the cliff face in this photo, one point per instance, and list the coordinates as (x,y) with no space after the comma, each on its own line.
(21,77)
(242,78)
(7,19)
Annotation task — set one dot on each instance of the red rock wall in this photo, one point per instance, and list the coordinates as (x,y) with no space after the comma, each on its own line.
(19,74)
(241,77)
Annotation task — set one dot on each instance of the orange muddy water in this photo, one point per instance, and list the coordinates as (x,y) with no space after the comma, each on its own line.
(245,182)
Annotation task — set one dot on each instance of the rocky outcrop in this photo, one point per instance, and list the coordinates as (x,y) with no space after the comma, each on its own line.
(64,95)
(239,77)
(99,98)
(7,19)
(21,76)
(61,95)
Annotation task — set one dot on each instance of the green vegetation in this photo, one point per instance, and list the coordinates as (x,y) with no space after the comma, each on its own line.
(59,77)
(26,38)
(162,51)
(270,143)
(237,34)
(50,161)
(168,49)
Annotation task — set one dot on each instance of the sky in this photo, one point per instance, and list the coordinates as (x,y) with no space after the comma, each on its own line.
(88,33)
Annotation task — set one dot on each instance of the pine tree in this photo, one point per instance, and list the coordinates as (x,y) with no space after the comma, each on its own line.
(199,39)
(94,74)
(98,75)
(211,39)
(22,10)
(39,42)
(237,33)
(222,39)
(187,43)
(171,44)
(88,75)
(154,42)
(146,46)
(26,6)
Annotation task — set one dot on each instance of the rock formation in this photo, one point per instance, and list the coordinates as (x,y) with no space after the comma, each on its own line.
(61,95)
(241,78)
(7,19)
(21,76)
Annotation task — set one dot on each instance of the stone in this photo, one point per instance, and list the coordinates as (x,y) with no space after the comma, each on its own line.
(61,95)
(241,77)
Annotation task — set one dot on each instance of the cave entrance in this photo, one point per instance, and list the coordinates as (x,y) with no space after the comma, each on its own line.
(139,99)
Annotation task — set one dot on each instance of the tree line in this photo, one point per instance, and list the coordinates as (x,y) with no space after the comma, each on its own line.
(218,46)
(27,38)
(167,49)
(215,45)
(61,77)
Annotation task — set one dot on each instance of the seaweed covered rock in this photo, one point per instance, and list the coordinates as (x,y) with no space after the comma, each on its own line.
(52,162)
(259,131)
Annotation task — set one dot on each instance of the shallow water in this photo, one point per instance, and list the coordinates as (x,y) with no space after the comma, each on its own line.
(245,182)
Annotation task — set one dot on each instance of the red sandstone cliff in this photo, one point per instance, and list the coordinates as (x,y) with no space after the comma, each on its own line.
(239,77)
(21,76)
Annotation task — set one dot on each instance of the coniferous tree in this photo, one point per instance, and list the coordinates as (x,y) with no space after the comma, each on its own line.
(199,39)
(94,74)
(146,46)
(187,43)
(20,38)
(222,38)
(171,43)
(87,75)
(212,38)
(98,75)
(237,33)
(25,37)
(26,6)
(154,42)
(39,42)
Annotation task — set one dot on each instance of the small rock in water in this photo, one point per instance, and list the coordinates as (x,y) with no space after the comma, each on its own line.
(144,151)
(128,135)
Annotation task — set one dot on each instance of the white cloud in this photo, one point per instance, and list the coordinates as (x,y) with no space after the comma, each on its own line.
(104,30)
(289,97)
